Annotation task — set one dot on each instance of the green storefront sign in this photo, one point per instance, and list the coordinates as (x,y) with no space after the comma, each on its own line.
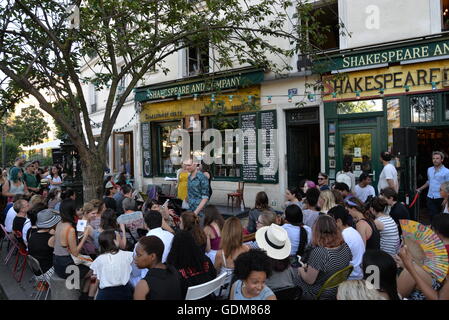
(391,55)
(210,84)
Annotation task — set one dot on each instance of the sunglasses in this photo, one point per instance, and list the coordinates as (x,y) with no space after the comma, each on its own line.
(321,178)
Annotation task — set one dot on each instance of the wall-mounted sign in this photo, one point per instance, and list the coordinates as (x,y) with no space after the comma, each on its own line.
(392,55)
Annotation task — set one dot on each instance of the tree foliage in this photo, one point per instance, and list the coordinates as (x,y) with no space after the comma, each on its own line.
(29,127)
(42,55)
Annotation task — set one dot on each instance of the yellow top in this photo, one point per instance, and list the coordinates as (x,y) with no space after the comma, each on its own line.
(182,185)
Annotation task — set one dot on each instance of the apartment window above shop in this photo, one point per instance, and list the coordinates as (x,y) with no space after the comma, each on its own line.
(445,15)
(197,60)
(93,98)
(325,16)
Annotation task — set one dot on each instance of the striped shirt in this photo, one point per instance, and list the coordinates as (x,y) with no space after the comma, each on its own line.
(389,236)
(327,261)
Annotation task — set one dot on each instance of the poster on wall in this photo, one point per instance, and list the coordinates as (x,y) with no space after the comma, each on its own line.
(146,149)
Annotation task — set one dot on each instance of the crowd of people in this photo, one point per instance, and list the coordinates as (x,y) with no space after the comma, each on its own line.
(126,248)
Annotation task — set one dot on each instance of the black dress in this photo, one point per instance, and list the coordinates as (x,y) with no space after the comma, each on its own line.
(164,284)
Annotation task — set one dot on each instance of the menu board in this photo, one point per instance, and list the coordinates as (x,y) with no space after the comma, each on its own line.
(146,148)
(260,157)
(248,124)
(268,153)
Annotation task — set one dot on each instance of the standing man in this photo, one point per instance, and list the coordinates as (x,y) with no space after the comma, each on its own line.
(197,188)
(30,178)
(364,189)
(389,176)
(323,181)
(436,175)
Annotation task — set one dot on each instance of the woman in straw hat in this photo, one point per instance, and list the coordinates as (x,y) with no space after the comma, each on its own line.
(275,241)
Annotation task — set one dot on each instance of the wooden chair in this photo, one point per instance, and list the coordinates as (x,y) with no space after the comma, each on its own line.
(205,289)
(238,195)
(334,280)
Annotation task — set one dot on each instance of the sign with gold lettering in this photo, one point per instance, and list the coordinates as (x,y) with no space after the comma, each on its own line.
(178,109)
(392,80)
(392,55)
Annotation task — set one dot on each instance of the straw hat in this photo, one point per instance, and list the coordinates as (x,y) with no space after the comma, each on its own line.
(274,240)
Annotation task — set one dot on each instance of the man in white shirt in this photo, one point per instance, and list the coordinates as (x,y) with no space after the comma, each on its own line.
(364,189)
(389,176)
(153,221)
(10,218)
(352,238)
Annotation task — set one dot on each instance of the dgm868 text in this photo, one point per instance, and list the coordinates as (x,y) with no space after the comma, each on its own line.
(246,309)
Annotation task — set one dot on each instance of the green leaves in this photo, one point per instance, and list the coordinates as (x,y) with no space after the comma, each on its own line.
(29,127)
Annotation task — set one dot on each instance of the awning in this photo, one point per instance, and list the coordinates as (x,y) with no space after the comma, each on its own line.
(46,145)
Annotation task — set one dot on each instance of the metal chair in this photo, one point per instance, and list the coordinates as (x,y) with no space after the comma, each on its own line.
(205,289)
(11,243)
(334,280)
(42,281)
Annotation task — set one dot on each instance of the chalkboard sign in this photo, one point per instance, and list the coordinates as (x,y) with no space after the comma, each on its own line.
(248,124)
(146,149)
(260,157)
(268,154)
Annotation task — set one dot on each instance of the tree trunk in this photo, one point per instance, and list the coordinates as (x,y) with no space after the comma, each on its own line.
(93,175)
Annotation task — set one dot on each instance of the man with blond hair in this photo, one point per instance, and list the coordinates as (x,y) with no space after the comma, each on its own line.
(436,175)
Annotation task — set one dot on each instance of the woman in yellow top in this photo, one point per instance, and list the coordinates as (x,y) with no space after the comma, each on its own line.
(183,176)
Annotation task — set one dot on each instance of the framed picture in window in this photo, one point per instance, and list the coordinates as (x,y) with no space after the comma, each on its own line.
(192,122)
(332,163)
(332,140)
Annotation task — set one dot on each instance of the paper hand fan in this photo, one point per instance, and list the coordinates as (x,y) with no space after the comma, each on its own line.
(426,248)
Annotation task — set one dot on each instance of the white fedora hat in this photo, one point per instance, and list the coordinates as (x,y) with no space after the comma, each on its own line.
(274,240)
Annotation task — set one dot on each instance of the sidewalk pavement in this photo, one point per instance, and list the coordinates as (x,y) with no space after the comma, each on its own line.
(13,290)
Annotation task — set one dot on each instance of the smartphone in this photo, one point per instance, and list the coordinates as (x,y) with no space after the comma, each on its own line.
(165,203)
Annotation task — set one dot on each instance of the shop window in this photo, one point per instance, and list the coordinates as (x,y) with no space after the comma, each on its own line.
(360,106)
(446,106)
(445,15)
(123,153)
(422,109)
(164,131)
(226,169)
(393,119)
(197,60)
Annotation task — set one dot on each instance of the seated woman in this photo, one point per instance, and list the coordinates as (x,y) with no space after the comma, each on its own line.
(108,221)
(329,254)
(385,266)
(66,245)
(252,268)
(112,268)
(191,223)
(265,220)
(414,282)
(213,224)
(188,258)
(231,247)
(283,276)
(260,205)
(364,223)
(293,196)
(162,281)
(299,234)
(41,243)
(389,233)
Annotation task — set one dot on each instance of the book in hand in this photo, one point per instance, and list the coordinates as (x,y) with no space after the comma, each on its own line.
(81,225)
